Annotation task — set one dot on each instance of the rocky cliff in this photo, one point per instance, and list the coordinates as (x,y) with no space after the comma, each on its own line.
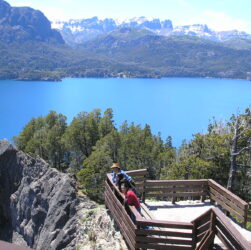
(24,23)
(40,208)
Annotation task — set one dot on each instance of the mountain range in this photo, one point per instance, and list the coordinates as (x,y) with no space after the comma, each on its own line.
(77,31)
(31,50)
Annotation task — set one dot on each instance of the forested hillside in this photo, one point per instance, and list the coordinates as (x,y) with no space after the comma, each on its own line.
(31,50)
(91,143)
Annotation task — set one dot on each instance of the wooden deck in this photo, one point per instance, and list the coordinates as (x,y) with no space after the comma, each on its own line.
(146,232)
(8,246)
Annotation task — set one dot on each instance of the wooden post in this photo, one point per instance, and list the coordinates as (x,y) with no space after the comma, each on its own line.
(194,239)
(174,198)
(212,227)
(209,192)
(143,196)
(202,198)
(244,224)
(227,213)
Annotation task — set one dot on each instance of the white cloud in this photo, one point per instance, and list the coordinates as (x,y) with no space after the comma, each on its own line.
(220,21)
(54,14)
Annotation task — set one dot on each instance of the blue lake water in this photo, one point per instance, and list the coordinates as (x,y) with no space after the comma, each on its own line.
(178,107)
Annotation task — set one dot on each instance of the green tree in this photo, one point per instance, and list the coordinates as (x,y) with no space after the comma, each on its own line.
(81,135)
(43,136)
(98,164)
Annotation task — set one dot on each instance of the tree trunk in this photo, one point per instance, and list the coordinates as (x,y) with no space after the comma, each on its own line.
(231,185)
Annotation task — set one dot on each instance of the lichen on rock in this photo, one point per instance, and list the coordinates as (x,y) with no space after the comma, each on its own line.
(97,230)
(40,207)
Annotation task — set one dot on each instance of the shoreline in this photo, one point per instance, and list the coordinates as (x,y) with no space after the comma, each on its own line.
(97,77)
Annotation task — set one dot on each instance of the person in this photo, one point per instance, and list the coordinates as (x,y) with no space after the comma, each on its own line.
(130,197)
(117,171)
(132,200)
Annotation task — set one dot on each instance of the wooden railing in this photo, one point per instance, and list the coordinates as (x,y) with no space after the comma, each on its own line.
(9,246)
(227,233)
(249,212)
(155,234)
(176,189)
(114,201)
(214,222)
(204,232)
(230,202)
(139,177)
(141,233)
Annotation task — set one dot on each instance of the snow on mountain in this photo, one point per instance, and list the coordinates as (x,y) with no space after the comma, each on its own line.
(200,30)
(81,30)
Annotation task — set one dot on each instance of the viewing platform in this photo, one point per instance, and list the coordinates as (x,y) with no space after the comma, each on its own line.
(180,214)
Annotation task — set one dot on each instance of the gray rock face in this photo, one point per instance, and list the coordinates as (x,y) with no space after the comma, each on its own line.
(97,229)
(40,208)
(24,23)
(37,203)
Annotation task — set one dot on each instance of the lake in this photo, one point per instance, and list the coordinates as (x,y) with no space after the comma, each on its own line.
(178,107)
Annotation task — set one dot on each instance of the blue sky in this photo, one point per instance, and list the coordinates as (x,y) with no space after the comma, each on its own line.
(217,14)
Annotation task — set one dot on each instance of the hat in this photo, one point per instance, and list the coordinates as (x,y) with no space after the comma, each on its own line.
(115,165)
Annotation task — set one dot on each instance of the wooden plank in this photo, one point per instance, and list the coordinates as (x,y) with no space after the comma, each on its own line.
(137,172)
(161,247)
(209,241)
(163,233)
(128,234)
(225,241)
(174,182)
(119,216)
(145,211)
(171,189)
(139,179)
(203,228)
(200,236)
(236,234)
(202,240)
(238,201)
(167,224)
(9,246)
(227,234)
(154,239)
(131,208)
(115,188)
(223,205)
(227,202)
(136,213)
(188,194)
(202,219)
(206,241)
(123,214)
(128,238)
(139,185)
(115,203)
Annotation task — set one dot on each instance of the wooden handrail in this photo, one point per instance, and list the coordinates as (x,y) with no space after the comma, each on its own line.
(167,224)
(203,228)
(233,231)
(133,210)
(9,246)
(202,215)
(227,192)
(137,172)
(175,182)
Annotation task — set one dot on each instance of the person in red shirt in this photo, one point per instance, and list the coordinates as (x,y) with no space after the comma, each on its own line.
(130,197)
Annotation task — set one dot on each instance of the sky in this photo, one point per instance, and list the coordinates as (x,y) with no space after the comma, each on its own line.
(217,14)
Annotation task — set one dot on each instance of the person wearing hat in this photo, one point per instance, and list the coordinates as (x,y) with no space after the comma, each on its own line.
(118,174)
